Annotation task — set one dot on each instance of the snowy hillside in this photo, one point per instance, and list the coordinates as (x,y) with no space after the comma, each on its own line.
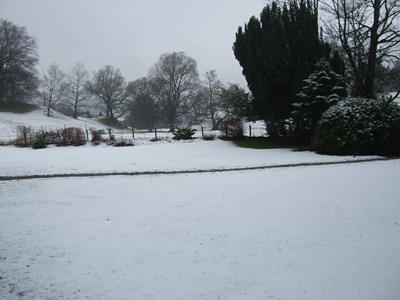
(38,119)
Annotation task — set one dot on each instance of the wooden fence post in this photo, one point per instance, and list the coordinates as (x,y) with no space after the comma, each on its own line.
(87,132)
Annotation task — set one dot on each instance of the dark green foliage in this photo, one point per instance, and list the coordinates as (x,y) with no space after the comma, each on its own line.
(277,52)
(17,107)
(110,122)
(269,143)
(358,126)
(184,133)
(142,113)
(39,141)
(142,108)
(232,127)
(280,128)
(322,89)
(337,64)
(235,101)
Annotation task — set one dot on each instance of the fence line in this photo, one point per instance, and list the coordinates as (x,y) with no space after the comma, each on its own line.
(250,130)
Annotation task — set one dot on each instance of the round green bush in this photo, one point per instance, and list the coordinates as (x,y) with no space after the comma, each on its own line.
(357,126)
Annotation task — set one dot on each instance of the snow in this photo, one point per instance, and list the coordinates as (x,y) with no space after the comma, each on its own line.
(324,232)
(397,100)
(38,120)
(305,232)
(176,156)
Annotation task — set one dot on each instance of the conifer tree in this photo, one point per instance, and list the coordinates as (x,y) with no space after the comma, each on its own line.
(322,89)
(277,52)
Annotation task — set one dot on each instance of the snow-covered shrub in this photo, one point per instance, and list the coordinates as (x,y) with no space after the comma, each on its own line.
(208,137)
(358,126)
(184,133)
(232,127)
(280,128)
(322,89)
(123,143)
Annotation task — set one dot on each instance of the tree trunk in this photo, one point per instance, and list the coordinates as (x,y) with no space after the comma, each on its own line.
(369,86)
(75,112)
(48,109)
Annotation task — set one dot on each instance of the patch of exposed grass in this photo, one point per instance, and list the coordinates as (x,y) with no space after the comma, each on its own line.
(111,123)
(17,107)
(268,143)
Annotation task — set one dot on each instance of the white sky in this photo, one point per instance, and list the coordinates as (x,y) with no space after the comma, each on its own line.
(132,34)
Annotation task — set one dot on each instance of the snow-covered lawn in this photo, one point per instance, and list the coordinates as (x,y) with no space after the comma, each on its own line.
(164,156)
(316,232)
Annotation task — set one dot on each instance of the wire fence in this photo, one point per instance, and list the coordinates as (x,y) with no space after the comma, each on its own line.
(257,129)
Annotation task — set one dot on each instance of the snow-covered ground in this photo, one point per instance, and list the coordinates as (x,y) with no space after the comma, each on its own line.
(174,156)
(38,120)
(321,232)
(306,232)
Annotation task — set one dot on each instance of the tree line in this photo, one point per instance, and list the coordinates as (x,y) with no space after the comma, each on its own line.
(172,93)
(295,70)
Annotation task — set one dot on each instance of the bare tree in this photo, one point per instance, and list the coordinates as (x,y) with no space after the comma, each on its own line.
(213,96)
(18,59)
(368,32)
(109,87)
(52,87)
(176,81)
(77,94)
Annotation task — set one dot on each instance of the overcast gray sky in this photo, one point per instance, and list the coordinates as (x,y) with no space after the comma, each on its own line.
(132,34)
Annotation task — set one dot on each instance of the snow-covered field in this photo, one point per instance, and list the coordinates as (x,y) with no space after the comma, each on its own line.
(305,232)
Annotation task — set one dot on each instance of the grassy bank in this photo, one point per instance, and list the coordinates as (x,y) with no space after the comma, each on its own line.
(17,107)
(268,143)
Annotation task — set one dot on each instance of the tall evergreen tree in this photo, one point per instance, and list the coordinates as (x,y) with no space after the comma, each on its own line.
(277,52)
